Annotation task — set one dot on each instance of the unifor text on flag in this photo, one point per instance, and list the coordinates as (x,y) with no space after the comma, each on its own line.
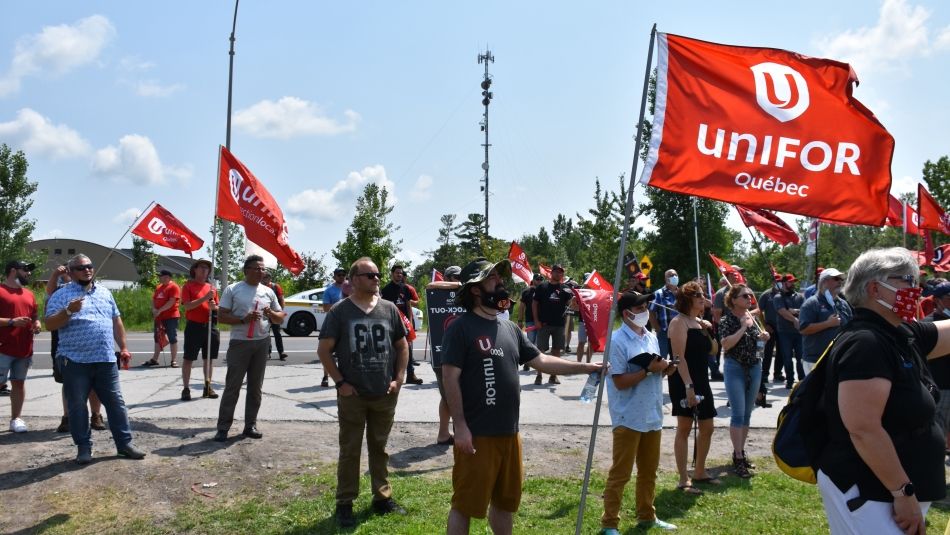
(159,226)
(766,128)
(244,200)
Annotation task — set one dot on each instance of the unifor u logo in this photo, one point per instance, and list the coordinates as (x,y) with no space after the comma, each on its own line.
(235,182)
(156,226)
(484,344)
(780,90)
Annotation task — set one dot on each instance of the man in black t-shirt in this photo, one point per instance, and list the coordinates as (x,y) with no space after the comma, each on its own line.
(480,359)
(940,368)
(405,297)
(550,302)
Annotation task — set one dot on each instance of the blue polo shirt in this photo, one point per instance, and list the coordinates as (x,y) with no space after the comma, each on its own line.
(333,294)
(817,309)
(639,407)
(664,296)
(87,336)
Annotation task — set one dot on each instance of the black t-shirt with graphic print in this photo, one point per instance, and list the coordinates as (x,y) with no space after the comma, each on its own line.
(489,353)
(552,302)
(364,344)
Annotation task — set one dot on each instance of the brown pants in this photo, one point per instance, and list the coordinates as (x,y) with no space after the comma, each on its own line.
(630,446)
(375,415)
(245,357)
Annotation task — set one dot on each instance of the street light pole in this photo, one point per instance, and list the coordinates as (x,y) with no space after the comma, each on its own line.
(225,226)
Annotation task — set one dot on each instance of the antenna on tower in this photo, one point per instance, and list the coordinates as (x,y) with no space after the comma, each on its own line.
(487,95)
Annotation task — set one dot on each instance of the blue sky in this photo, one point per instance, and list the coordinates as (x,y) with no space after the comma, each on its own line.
(120,103)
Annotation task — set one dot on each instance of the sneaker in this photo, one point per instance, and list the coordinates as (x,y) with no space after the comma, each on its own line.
(537,380)
(17,425)
(95,422)
(84,457)
(131,452)
(325,383)
(389,505)
(656,523)
(63,425)
(4,390)
(740,468)
(778,379)
(283,356)
(413,380)
(344,515)
(186,394)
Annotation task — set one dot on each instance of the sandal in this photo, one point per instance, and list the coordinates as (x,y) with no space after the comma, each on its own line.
(173,364)
(151,362)
(688,488)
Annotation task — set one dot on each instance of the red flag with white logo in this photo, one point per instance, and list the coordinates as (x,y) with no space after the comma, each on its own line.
(932,215)
(519,263)
(769,224)
(409,325)
(436,276)
(596,282)
(545,271)
(244,200)
(941,258)
(159,226)
(895,211)
(766,128)
(724,268)
(594,306)
(911,220)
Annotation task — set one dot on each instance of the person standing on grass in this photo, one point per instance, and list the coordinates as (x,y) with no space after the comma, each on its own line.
(200,301)
(481,356)
(90,328)
(367,337)
(19,323)
(635,398)
(165,301)
(251,308)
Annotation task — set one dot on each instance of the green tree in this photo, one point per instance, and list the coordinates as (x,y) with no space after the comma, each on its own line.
(235,250)
(370,234)
(145,261)
(471,234)
(937,177)
(15,201)
(601,231)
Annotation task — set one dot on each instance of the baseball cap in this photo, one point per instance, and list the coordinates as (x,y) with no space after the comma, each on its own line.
(633,299)
(740,269)
(454,271)
(339,271)
(557,267)
(789,278)
(19,264)
(164,273)
(941,290)
(828,273)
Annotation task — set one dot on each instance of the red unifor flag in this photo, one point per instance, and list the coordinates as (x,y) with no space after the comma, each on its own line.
(594,306)
(409,325)
(724,268)
(244,200)
(895,211)
(545,271)
(769,224)
(766,128)
(911,220)
(932,215)
(519,263)
(941,258)
(436,276)
(596,282)
(159,226)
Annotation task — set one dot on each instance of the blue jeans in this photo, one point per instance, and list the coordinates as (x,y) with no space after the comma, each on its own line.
(533,334)
(664,340)
(103,378)
(742,385)
(791,347)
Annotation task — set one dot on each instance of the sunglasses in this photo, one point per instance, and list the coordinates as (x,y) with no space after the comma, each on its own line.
(747,296)
(83,267)
(909,279)
(370,276)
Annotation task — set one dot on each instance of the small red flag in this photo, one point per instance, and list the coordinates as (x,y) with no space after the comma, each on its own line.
(244,200)
(941,258)
(769,224)
(596,282)
(594,306)
(436,276)
(159,226)
(161,336)
(932,215)
(895,210)
(724,268)
(766,128)
(409,325)
(911,220)
(519,263)
(545,271)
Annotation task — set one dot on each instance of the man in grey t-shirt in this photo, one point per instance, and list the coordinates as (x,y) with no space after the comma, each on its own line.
(368,338)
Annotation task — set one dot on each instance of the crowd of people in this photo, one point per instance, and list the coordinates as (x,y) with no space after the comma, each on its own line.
(887,391)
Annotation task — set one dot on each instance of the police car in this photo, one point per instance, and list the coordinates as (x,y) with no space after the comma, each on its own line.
(305,313)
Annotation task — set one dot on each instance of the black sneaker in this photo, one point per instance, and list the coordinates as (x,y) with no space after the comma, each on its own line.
(220,436)
(283,356)
(252,432)
(4,390)
(325,383)
(389,505)
(131,452)
(344,515)
(186,394)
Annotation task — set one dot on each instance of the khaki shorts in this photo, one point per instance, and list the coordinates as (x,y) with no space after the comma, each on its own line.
(493,475)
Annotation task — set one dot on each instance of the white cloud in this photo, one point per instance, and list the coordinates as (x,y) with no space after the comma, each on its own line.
(57,50)
(127,216)
(422,190)
(294,224)
(333,203)
(904,184)
(135,160)
(291,117)
(900,34)
(38,136)
(151,88)
(942,42)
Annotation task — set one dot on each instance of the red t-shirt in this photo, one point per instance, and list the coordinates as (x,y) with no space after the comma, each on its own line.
(163,294)
(195,290)
(14,303)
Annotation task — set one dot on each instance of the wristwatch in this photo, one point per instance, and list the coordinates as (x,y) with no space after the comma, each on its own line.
(907,489)
(689,386)
(649,373)
(340,383)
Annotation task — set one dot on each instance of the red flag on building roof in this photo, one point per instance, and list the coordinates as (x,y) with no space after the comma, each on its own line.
(932,215)
(244,200)
(159,226)
(768,224)
(766,128)
(520,267)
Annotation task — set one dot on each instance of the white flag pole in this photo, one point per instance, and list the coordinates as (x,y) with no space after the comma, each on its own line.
(116,246)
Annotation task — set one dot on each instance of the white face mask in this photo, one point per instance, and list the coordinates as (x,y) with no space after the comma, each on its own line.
(641,319)
(674,280)
(830,298)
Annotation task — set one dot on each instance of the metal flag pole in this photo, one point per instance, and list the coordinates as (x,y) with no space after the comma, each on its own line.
(623,246)
(696,235)
(116,246)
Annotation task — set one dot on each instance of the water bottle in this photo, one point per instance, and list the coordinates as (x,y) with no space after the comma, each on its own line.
(699,399)
(760,347)
(589,392)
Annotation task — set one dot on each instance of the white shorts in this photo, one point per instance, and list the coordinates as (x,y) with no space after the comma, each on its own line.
(872,517)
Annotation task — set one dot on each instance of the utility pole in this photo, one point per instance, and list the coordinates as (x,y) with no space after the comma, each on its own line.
(486,58)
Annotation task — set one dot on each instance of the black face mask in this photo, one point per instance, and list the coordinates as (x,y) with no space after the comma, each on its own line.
(23,279)
(499,299)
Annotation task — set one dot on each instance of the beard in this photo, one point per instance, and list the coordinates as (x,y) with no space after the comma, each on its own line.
(82,282)
(24,281)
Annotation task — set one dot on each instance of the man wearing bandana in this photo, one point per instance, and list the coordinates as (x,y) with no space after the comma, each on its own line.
(481,357)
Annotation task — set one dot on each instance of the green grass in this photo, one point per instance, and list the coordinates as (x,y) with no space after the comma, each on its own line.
(303,503)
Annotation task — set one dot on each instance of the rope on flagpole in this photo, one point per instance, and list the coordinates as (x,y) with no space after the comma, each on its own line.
(628,208)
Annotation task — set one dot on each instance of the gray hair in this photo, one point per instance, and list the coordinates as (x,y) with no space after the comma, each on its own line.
(76,260)
(877,265)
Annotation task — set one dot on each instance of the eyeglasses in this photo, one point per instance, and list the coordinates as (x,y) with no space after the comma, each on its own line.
(747,296)
(909,279)
(370,276)
(83,267)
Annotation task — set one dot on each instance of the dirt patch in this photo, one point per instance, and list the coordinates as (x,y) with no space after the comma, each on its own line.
(40,480)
